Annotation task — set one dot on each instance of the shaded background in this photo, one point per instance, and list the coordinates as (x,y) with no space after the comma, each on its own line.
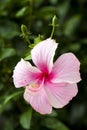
(15,113)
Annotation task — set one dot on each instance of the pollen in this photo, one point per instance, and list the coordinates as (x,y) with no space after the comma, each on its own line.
(34,85)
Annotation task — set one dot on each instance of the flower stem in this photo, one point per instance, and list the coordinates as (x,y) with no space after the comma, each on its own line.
(25,33)
(53,25)
(52,32)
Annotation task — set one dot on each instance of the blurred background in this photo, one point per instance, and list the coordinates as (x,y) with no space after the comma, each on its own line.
(15,113)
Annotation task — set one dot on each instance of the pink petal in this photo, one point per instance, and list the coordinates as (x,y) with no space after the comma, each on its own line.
(38,100)
(24,74)
(43,53)
(60,94)
(66,69)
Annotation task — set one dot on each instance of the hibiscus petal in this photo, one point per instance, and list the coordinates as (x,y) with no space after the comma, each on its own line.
(43,53)
(60,94)
(24,74)
(66,69)
(38,100)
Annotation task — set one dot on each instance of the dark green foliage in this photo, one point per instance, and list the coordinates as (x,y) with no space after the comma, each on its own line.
(72,36)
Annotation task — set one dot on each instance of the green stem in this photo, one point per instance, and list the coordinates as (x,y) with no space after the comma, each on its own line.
(26,38)
(30,12)
(52,32)
(53,25)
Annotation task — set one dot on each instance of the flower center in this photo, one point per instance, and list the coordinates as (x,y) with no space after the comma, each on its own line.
(46,76)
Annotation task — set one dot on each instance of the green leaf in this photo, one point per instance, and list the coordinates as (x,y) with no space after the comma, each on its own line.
(75,47)
(22,11)
(8,125)
(12,96)
(53,114)
(8,29)
(63,9)
(31,46)
(7,52)
(71,25)
(54,1)
(55,124)
(38,39)
(46,12)
(28,57)
(8,99)
(25,119)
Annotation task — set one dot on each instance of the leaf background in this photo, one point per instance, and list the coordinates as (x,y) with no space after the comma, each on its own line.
(72,36)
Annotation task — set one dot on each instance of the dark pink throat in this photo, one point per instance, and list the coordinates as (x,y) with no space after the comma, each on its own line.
(46,76)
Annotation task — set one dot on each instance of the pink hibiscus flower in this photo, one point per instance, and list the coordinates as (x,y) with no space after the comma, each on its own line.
(48,85)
